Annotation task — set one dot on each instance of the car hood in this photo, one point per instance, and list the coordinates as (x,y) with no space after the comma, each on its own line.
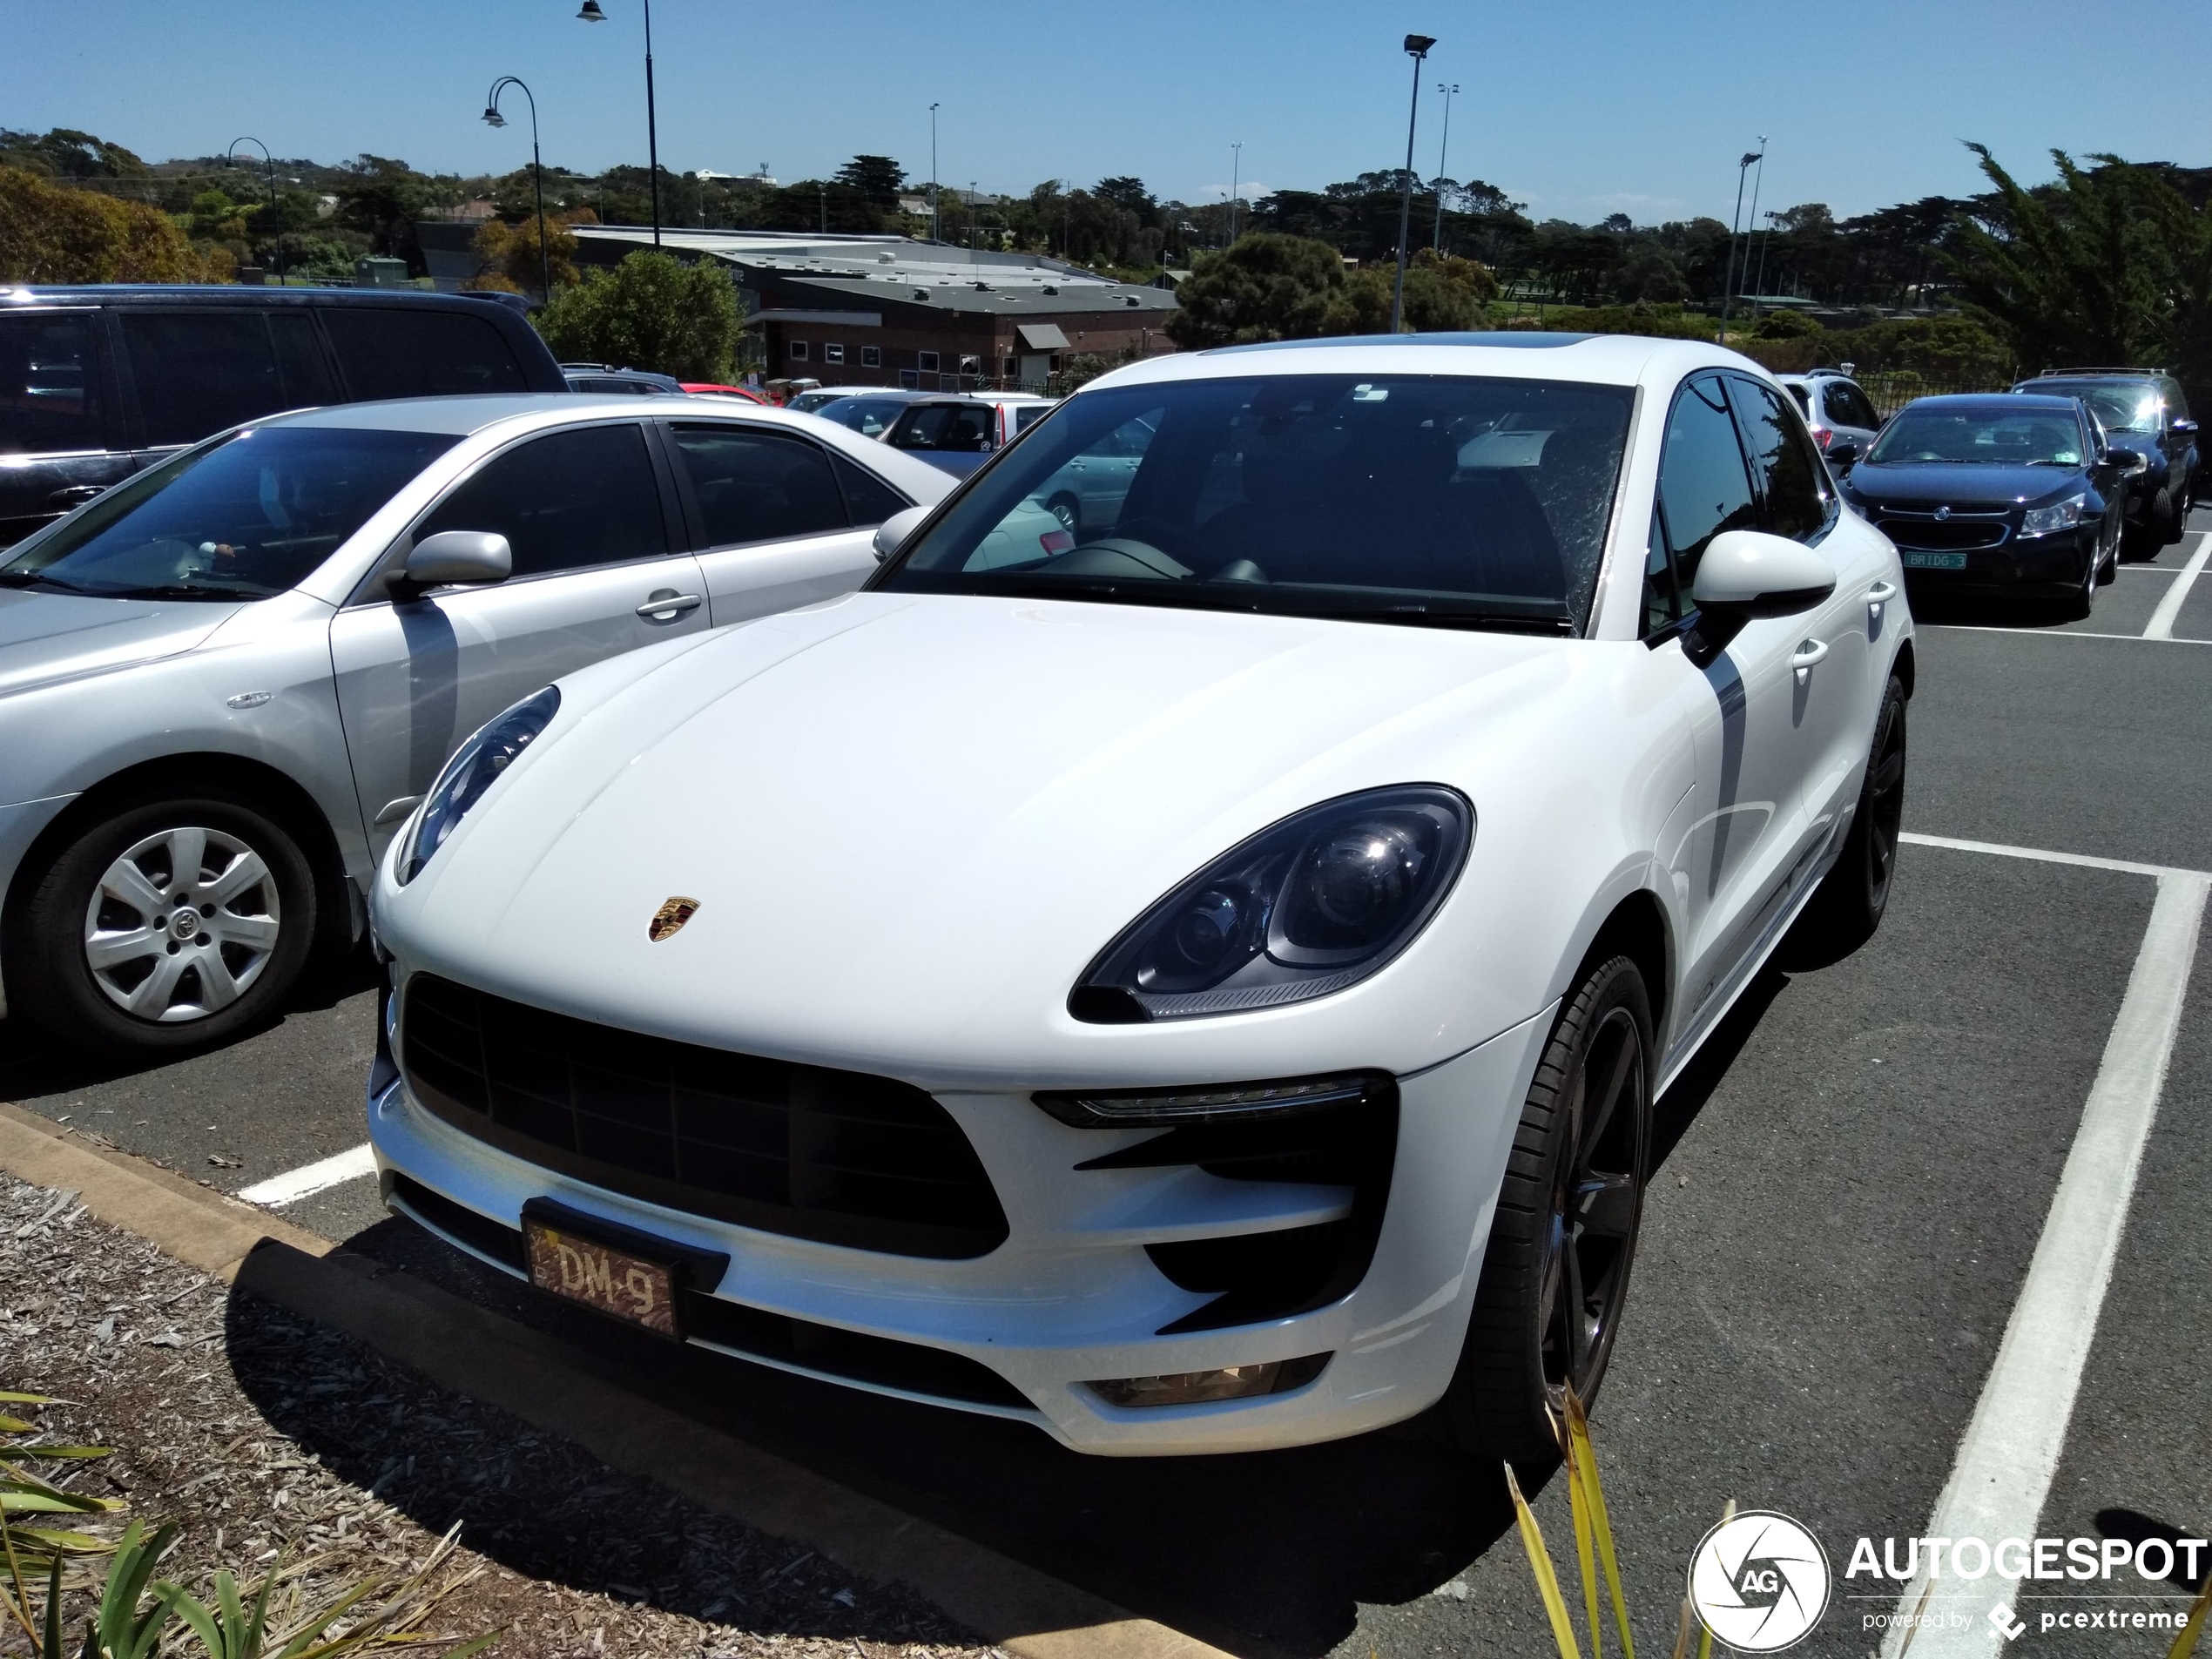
(1960,484)
(910,821)
(48,637)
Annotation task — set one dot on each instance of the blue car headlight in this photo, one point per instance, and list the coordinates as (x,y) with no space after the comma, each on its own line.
(1306,907)
(2047,521)
(476,766)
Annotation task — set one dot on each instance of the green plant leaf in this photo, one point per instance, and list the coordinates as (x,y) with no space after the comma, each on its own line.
(26,1453)
(478,1645)
(1578,1434)
(193,1612)
(1539,1562)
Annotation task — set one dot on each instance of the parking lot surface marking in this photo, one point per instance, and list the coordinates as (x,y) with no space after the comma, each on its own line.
(2177,592)
(278,1191)
(2045,855)
(2056,633)
(2006,1462)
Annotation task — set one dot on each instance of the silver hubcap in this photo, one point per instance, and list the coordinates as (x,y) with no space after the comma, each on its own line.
(181,925)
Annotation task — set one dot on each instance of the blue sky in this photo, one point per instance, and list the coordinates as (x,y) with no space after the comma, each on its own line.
(1580,109)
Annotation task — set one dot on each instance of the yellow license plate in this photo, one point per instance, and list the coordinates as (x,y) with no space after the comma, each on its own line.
(611,1281)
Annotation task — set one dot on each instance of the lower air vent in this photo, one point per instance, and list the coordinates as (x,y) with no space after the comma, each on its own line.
(835,1155)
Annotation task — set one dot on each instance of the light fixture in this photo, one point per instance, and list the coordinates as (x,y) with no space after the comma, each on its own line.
(592,12)
(1226,1382)
(493,118)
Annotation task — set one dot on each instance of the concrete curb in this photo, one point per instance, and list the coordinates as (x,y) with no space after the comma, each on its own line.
(457,1344)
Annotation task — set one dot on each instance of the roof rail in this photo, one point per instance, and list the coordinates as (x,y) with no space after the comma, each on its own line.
(2096,369)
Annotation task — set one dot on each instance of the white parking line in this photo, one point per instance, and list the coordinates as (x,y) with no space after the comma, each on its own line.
(2003,1471)
(2052,633)
(2161,625)
(309,1178)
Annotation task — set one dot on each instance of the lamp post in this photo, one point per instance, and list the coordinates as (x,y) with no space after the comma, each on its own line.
(592,14)
(1758,178)
(1728,279)
(1443,150)
(493,118)
(1416,48)
(276,214)
(933,173)
(1236,184)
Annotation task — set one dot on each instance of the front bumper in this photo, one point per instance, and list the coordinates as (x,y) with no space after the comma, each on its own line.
(2051,566)
(1071,1297)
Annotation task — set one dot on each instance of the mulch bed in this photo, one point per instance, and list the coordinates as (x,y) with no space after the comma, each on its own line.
(272,1440)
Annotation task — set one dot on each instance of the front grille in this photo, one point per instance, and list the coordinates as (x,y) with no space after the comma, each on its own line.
(1942,535)
(839,1156)
(911,1367)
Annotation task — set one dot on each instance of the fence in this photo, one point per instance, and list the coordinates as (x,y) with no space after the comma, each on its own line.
(1891,389)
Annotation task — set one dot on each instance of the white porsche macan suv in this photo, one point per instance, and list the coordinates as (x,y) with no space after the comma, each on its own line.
(1198,981)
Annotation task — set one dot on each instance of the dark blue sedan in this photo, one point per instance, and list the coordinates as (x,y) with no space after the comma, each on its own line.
(1998,494)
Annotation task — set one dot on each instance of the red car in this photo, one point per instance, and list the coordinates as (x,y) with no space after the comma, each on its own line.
(745,392)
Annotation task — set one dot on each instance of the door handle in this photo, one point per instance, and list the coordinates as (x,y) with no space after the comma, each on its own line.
(1881,593)
(668,604)
(75,496)
(1808,652)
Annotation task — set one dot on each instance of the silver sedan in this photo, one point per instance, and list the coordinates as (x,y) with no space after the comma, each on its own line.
(224,684)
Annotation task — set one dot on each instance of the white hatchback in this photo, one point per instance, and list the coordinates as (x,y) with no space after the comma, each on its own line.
(1194,982)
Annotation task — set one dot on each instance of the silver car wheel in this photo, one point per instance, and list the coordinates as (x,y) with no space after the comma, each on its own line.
(182,924)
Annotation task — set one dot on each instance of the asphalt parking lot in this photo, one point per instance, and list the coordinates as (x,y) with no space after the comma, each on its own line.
(1856,1179)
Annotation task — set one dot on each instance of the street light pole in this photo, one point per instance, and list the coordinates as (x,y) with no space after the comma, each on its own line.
(933,173)
(276,213)
(1443,153)
(1758,178)
(591,13)
(1416,48)
(493,118)
(1728,279)
(1236,184)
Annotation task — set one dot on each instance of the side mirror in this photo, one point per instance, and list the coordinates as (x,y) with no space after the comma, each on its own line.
(1750,573)
(2130,462)
(472,556)
(1843,456)
(2187,429)
(892,534)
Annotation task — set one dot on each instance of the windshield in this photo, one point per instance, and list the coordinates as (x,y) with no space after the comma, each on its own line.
(1440,499)
(2121,405)
(869,416)
(1990,434)
(951,428)
(243,517)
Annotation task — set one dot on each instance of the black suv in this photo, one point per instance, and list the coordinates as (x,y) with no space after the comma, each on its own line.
(97,382)
(2141,409)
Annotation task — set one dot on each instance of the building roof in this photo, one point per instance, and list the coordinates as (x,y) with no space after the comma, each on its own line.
(848,273)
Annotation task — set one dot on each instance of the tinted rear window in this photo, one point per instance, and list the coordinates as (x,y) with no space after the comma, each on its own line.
(391,353)
(48,392)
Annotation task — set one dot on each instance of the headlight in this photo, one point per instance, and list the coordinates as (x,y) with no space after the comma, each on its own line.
(2042,521)
(476,766)
(1309,906)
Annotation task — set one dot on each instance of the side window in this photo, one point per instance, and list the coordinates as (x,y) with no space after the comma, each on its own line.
(1663,603)
(1703,486)
(1803,403)
(2177,403)
(386,351)
(300,360)
(564,501)
(867,498)
(758,486)
(49,384)
(1847,406)
(200,371)
(1783,462)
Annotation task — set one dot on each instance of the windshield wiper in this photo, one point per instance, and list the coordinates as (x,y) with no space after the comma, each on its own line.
(1422,615)
(175,591)
(40,579)
(2051,460)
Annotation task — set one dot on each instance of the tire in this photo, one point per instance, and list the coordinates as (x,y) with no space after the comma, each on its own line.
(2166,514)
(1855,894)
(207,970)
(1588,1118)
(1068,511)
(2078,604)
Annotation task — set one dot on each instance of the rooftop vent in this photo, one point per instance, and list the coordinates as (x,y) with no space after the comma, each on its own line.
(982,287)
(922,294)
(1052,287)
(1131,300)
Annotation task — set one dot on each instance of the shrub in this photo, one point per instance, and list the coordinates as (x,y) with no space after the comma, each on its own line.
(650,312)
(49,234)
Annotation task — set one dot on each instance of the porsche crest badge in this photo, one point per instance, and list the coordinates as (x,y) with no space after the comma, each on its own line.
(670,918)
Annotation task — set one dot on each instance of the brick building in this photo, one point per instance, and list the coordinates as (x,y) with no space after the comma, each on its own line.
(889,311)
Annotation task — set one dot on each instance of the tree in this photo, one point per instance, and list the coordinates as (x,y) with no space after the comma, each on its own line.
(877,178)
(650,312)
(1267,286)
(2075,277)
(50,234)
(506,255)
(382,197)
(1443,294)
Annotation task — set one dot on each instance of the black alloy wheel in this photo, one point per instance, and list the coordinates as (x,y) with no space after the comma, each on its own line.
(1855,894)
(1555,1274)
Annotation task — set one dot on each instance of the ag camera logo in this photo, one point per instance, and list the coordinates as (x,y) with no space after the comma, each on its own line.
(1759,1580)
